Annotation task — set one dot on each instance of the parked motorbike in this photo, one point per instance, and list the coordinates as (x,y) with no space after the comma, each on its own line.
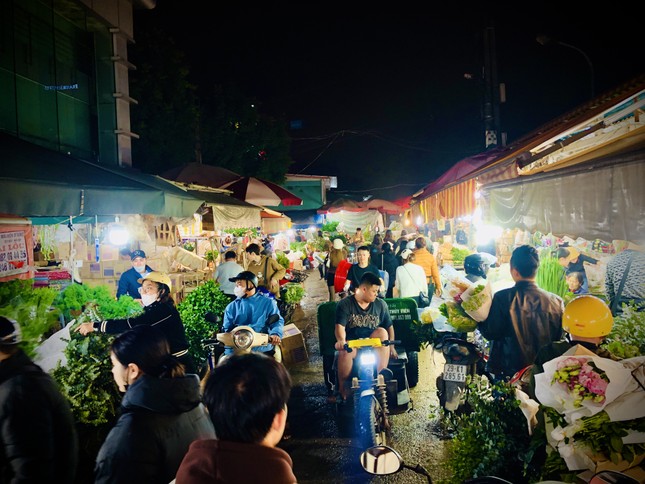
(464,360)
(383,460)
(371,392)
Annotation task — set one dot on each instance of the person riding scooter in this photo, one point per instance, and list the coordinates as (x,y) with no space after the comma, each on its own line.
(253,309)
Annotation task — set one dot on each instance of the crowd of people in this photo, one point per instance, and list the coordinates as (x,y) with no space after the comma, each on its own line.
(170,426)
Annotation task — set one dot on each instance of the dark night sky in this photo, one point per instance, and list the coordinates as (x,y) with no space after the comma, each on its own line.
(381,93)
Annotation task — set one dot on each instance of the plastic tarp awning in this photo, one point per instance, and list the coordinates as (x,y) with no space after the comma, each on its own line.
(605,201)
(37,182)
(229,212)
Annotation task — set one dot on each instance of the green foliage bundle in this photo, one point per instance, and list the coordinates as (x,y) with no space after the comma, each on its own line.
(627,337)
(253,232)
(492,439)
(206,298)
(458,255)
(293,292)
(330,227)
(298,246)
(551,276)
(86,380)
(282,259)
(31,308)
(76,297)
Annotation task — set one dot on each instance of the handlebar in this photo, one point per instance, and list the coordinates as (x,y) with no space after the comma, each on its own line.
(369,342)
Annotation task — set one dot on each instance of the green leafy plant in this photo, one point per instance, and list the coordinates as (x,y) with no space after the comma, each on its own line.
(211,255)
(330,227)
(458,255)
(492,439)
(86,379)
(293,293)
(253,232)
(32,309)
(206,298)
(282,259)
(627,337)
(75,298)
(189,246)
(298,246)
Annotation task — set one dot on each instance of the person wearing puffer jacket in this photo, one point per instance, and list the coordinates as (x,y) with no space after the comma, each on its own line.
(161,412)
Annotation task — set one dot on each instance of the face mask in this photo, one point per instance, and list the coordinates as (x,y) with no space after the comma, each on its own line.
(140,269)
(148,299)
(239,291)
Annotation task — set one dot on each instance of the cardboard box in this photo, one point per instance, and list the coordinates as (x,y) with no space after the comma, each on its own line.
(293,346)
(90,270)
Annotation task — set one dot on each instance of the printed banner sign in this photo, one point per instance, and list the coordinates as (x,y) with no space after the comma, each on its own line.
(13,254)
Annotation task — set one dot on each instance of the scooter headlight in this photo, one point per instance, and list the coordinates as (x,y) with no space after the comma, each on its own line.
(367,358)
(243,339)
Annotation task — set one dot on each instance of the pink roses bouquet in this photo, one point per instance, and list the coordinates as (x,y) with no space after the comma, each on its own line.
(582,379)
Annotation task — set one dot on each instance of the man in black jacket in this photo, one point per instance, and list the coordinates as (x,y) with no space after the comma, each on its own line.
(39,442)
(522,319)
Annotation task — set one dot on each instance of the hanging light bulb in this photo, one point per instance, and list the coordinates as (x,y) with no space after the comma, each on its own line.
(117,234)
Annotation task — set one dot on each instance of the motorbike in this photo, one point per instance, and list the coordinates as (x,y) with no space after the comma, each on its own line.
(382,460)
(241,338)
(464,360)
(371,392)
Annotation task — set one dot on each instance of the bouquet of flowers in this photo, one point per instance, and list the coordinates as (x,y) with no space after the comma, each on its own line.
(595,416)
(583,379)
(477,300)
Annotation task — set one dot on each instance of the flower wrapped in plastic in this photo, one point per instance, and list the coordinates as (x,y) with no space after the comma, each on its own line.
(457,317)
(581,385)
(599,418)
(477,300)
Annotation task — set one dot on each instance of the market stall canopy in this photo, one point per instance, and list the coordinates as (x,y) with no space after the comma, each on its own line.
(274,222)
(201,174)
(37,182)
(340,205)
(229,212)
(261,192)
(383,206)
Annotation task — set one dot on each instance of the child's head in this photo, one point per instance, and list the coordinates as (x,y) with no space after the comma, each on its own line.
(574,281)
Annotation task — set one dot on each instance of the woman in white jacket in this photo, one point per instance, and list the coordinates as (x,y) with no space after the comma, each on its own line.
(410,278)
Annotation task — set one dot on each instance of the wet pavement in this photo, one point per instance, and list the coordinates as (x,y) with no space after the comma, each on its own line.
(320,442)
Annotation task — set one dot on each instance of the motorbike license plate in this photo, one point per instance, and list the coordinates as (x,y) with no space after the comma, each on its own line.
(454,372)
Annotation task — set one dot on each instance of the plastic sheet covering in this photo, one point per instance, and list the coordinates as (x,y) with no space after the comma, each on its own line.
(602,203)
(233,217)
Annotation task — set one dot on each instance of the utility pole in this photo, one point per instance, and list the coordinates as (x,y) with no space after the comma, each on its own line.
(491,90)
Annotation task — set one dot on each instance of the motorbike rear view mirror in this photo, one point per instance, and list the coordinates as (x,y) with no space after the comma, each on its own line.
(381,460)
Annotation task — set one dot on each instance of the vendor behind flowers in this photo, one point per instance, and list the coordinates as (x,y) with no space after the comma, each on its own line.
(129,282)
